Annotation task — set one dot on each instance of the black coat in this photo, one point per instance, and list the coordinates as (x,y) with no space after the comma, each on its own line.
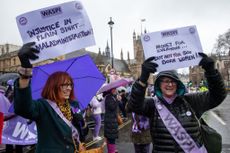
(110,118)
(199,102)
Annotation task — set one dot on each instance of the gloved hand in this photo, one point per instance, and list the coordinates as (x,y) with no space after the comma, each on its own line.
(26,53)
(207,63)
(147,68)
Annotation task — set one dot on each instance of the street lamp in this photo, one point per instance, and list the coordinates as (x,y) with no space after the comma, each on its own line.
(111,23)
(142,20)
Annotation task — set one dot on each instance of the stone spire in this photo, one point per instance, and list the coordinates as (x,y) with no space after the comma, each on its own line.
(107,50)
(122,54)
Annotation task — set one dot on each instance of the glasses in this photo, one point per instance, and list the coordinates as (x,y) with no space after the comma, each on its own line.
(168,82)
(66,85)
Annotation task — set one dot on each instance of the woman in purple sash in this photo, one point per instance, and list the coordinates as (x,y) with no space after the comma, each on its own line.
(173,114)
(57,115)
(140,134)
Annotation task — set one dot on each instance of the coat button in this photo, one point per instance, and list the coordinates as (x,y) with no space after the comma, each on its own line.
(67,147)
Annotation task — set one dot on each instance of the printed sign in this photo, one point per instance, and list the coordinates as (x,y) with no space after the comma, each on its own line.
(57,30)
(173,49)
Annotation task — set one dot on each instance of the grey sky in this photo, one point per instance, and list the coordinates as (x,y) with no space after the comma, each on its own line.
(212,17)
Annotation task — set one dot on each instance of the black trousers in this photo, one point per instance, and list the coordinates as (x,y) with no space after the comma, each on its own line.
(141,148)
(10,149)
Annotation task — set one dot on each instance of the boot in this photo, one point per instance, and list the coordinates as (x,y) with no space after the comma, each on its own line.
(111,148)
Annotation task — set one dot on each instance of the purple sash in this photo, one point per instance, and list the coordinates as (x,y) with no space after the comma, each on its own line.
(177,131)
(58,111)
(139,123)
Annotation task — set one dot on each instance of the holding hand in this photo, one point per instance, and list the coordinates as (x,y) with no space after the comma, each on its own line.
(118,97)
(207,63)
(26,53)
(147,68)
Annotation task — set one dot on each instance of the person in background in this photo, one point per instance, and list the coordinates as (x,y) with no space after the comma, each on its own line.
(4,101)
(2,89)
(140,134)
(202,86)
(6,98)
(182,109)
(96,107)
(110,119)
(102,101)
(122,103)
(9,91)
(4,105)
(54,113)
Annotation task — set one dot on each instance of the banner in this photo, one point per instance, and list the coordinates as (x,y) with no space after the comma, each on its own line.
(1,126)
(57,30)
(173,49)
(19,131)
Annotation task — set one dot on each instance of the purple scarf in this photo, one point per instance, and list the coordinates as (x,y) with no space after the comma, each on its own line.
(170,100)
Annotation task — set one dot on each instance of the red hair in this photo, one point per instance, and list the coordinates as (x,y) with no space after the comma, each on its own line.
(52,90)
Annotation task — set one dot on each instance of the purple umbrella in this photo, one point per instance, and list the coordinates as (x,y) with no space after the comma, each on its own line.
(112,85)
(87,78)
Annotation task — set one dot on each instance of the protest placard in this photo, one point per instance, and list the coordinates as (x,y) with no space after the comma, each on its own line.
(57,30)
(173,49)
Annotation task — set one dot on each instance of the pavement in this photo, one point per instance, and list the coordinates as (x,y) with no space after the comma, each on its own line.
(123,142)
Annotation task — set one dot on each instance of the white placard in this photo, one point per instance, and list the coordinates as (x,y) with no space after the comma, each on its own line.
(173,49)
(57,30)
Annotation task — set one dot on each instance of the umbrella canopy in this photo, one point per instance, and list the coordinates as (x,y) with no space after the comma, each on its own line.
(112,85)
(8,76)
(87,78)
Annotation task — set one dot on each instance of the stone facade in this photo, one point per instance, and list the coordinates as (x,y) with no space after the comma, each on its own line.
(8,58)
(135,64)
(196,74)
(222,63)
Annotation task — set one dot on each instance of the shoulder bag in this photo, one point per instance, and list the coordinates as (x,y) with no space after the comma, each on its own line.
(211,138)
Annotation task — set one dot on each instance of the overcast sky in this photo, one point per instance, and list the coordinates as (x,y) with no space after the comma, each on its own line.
(212,17)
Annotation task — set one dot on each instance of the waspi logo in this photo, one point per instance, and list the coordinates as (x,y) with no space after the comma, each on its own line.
(51,12)
(169,33)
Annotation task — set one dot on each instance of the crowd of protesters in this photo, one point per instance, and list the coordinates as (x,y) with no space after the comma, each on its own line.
(57,114)
(61,125)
